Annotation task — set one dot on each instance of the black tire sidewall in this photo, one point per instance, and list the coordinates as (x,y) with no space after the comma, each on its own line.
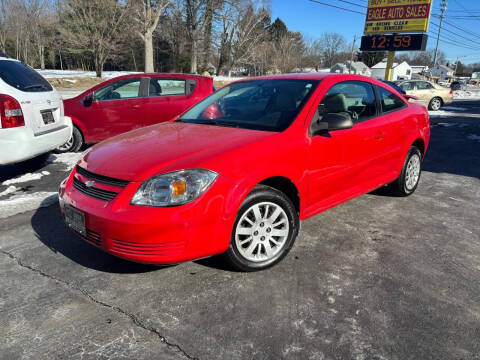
(264,194)
(77,142)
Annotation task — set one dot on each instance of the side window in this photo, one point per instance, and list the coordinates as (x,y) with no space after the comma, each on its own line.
(355,98)
(407,86)
(123,89)
(422,85)
(167,87)
(389,101)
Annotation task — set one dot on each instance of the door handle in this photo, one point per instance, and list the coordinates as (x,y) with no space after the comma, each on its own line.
(134,107)
(379,135)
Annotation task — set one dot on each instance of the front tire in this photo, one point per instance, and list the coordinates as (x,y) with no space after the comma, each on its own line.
(264,231)
(73,144)
(435,104)
(407,182)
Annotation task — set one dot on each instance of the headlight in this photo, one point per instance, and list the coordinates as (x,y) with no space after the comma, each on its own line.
(175,188)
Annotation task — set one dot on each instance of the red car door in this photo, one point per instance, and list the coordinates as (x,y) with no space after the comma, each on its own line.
(167,98)
(117,107)
(342,162)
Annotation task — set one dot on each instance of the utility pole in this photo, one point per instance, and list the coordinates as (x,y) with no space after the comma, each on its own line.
(443,8)
(353,49)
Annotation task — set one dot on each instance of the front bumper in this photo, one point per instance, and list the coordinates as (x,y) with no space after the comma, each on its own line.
(154,235)
(19,144)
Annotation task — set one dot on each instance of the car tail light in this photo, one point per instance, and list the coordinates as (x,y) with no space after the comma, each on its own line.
(10,112)
(451,91)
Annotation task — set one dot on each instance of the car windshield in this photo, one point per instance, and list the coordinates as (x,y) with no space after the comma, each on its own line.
(269,105)
(22,77)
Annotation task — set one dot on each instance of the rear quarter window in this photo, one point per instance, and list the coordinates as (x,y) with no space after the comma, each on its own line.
(23,77)
(389,101)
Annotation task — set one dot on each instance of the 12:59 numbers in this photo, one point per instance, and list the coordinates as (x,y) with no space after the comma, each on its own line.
(399,41)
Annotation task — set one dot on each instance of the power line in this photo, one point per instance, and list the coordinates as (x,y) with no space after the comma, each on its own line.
(454,33)
(338,7)
(354,4)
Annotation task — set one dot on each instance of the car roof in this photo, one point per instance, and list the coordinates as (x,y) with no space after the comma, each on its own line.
(161,75)
(309,76)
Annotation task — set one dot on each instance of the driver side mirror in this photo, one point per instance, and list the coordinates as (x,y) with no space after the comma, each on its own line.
(88,100)
(331,122)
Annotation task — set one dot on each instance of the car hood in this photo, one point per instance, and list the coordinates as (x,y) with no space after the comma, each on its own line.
(140,154)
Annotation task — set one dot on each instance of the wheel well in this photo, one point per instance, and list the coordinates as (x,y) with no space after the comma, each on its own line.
(287,187)
(419,144)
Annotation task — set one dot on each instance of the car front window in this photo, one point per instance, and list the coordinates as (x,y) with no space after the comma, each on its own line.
(269,105)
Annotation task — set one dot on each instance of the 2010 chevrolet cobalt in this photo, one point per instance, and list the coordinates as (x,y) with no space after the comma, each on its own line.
(236,172)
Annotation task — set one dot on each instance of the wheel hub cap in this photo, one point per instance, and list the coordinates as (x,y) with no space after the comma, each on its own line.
(413,172)
(262,231)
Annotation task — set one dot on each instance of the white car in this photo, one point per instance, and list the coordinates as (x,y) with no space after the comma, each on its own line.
(32,122)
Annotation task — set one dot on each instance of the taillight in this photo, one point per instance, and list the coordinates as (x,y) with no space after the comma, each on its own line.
(10,112)
(451,91)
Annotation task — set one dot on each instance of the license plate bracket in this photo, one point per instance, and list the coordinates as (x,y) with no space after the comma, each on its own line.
(47,116)
(75,219)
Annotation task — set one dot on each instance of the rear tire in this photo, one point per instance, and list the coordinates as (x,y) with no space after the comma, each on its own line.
(435,104)
(73,144)
(407,182)
(264,231)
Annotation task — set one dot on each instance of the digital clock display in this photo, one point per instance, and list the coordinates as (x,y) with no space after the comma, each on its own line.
(404,42)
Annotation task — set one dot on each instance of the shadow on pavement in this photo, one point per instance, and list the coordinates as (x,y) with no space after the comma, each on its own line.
(47,222)
(33,165)
(450,151)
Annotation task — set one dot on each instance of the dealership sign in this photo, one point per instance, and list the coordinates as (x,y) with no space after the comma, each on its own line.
(397,16)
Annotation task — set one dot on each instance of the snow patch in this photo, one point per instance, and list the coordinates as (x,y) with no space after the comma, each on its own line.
(466,94)
(441,113)
(25,178)
(473,137)
(11,189)
(21,203)
(69,159)
(78,73)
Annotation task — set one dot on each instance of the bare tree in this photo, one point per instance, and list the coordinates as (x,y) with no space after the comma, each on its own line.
(331,44)
(94,26)
(147,14)
(288,51)
(242,30)
(195,10)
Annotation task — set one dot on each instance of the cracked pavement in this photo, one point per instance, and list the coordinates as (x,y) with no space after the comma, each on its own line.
(378,277)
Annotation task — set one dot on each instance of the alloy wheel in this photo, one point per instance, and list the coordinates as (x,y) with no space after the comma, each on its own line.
(262,232)
(412,173)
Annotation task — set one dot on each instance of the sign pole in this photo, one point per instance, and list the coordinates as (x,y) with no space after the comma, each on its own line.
(388,69)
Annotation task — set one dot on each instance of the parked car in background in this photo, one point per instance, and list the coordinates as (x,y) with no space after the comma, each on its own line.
(32,121)
(130,102)
(236,172)
(458,85)
(431,95)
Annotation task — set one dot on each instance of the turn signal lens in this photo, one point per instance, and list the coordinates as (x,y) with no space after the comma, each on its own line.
(179,188)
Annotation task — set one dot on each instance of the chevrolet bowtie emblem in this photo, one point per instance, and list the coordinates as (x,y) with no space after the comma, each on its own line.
(89,184)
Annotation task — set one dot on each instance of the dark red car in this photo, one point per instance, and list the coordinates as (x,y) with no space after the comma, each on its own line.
(131,102)
(235,173)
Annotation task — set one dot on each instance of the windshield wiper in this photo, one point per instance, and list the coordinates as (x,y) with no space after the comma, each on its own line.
(35,86)
(214,122)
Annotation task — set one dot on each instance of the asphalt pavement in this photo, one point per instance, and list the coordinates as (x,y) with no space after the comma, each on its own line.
(378,277)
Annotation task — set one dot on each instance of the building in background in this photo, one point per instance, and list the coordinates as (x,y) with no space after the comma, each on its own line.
(401,71)
(441,72)
(351,67)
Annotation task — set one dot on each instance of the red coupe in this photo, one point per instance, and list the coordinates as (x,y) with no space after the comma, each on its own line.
(131,102)
(236,172)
